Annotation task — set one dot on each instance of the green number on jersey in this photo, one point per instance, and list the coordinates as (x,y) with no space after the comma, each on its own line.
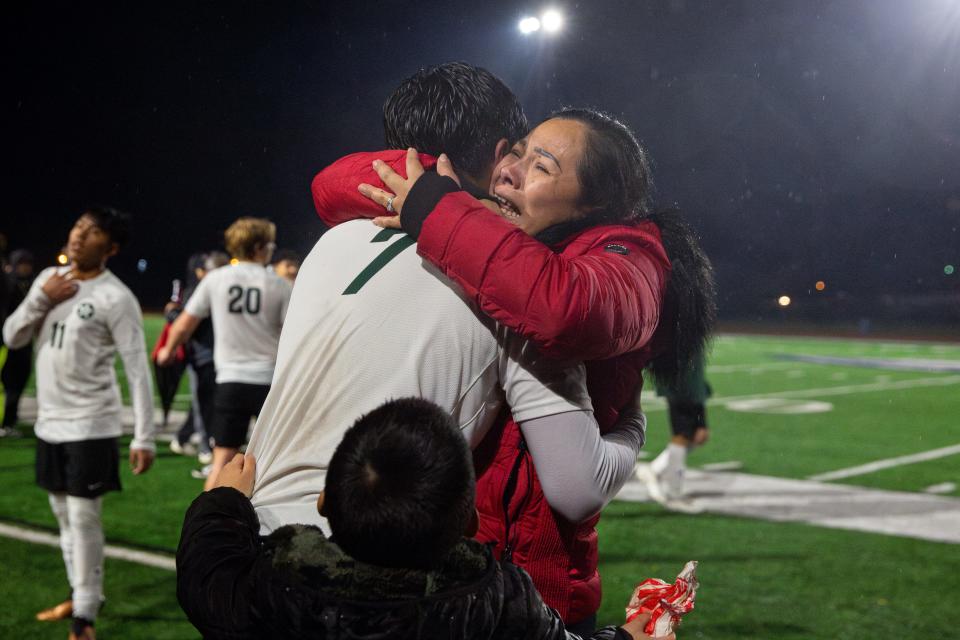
(381,260)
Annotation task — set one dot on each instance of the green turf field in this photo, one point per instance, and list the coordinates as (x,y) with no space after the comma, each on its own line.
(759,579)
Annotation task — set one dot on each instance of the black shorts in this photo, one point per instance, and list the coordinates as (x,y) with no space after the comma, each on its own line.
(685,417)
(234,403)
(86,468)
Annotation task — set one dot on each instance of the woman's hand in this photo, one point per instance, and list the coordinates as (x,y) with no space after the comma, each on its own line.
(399,186)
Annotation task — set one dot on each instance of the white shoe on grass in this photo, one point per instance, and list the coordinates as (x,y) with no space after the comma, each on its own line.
(185,449)
(201,474)
(646,475)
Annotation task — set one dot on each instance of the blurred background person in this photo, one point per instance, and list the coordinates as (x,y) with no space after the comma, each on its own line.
(18,276)
(192,439)
(686,400)
(246,303)
(286,264)
(83,316)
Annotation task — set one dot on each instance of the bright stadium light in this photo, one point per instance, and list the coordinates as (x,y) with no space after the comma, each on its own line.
(528,25)
(783,301)
(62,259)
(552,20)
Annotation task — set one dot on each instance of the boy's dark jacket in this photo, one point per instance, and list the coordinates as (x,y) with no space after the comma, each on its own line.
(234,583)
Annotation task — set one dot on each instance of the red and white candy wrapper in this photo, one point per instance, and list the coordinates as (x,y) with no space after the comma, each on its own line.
(665,602)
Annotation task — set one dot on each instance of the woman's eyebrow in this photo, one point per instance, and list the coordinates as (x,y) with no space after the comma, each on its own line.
(546,153)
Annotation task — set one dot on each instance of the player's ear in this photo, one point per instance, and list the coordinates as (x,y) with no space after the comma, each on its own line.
(320,505)
(114,249)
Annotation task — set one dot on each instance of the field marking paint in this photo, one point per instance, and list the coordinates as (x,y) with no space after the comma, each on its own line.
(924,365)
(943,487)
(652,402)
(889,463)
(779,406)
(938,381)
(836,506)
(110,551)
(737,368)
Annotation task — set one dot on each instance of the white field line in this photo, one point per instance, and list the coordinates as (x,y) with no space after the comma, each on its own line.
(889,463)
(760,366)
(842,390)
(111,551)
(652,402)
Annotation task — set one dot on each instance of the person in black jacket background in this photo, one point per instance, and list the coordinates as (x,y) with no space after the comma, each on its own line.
(399,499)
(18,276)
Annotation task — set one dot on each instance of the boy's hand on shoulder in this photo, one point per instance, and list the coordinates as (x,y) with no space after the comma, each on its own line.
(239,474)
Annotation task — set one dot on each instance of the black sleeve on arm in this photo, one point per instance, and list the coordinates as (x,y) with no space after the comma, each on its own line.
(216,560)
(423,197)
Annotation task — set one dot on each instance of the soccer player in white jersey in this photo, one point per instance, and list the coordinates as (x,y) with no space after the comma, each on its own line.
(247,303)
(370,321)
(85,316)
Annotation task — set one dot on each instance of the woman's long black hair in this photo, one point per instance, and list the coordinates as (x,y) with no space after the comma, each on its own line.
(616,187)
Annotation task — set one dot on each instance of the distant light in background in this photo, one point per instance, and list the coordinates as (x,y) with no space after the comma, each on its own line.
(552,20)
(234,261)
(141,265)
(821,285)
(948,270)
(62,259)
(783,301)
(528,25)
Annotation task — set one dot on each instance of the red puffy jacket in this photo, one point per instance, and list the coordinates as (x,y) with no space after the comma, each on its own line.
(596,296)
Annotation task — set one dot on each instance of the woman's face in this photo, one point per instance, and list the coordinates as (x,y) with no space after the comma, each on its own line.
(536,184)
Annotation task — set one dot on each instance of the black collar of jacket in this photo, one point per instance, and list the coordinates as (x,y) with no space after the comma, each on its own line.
(558,233)
(310,561)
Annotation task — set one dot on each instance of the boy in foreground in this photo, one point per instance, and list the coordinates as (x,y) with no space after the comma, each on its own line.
(399,500)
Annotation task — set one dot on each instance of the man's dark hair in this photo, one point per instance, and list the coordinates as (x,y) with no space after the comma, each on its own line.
(400,486)
(453,108)
(113,222)
(286,254)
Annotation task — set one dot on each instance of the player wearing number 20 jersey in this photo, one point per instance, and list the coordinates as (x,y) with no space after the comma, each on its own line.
(370,321)
(247,303)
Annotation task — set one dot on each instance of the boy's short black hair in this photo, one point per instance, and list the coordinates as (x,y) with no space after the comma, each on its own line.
(113,222)
(457,109)
(400,486)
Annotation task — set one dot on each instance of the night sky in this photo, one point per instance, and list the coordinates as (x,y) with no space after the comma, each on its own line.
(814,140)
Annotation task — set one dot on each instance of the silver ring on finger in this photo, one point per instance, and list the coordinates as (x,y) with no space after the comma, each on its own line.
(389,204)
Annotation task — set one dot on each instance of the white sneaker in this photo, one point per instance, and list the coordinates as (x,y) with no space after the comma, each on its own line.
(682,504)
(201,474)
(186,449)
(205,457)
(646,475)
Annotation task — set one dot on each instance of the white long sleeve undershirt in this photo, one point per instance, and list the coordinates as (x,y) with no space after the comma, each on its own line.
(580,471)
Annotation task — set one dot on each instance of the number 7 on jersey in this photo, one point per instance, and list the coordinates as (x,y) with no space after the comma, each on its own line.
(385,256)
